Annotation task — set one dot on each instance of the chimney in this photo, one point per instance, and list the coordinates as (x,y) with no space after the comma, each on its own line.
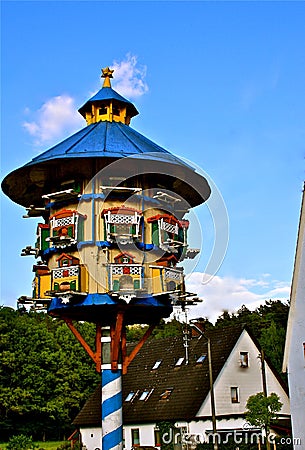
(199,325)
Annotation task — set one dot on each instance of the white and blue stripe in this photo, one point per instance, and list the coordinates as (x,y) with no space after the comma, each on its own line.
(112,416)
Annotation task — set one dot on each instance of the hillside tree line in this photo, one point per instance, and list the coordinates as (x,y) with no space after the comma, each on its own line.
(46,376)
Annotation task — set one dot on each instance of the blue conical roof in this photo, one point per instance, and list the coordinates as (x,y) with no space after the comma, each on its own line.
(107,93)
(84,153)
(104,139)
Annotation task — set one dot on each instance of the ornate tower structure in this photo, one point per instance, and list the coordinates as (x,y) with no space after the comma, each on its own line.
(112,235)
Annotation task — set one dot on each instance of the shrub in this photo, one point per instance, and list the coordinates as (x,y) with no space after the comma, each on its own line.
(20,442)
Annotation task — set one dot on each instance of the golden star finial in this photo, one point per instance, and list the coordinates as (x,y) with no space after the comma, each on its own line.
(107,74)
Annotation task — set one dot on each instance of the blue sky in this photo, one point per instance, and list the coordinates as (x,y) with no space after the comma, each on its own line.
(219,83)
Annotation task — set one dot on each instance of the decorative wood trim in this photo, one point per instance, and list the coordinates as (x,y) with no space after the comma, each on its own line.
(129,358)
(93,355)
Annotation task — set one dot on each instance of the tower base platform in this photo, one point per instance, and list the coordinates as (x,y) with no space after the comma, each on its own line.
(103,308)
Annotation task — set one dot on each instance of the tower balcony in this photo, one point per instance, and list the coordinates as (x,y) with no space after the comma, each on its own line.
(125,278)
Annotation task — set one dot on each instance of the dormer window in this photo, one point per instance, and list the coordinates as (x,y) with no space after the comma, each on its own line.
(65,260)
(124,258)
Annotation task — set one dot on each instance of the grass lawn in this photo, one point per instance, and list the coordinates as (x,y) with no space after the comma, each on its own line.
(49,445)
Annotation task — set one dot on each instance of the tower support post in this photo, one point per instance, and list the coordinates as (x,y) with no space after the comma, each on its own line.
(111,401)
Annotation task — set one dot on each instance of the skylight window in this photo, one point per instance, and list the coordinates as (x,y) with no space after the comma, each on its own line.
(201,359)
(130,396)
(145,394)
(156,365)
(179,361)
(166,394)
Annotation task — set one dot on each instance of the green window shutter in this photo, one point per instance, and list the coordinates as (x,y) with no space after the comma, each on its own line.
(180,235)
(76,187)
(73,285)
(44,234)
(80,231)
(116,285)
(70,231)
(56,287)
(136,284)
(155,233)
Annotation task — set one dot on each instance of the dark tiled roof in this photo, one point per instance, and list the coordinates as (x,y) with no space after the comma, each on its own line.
(190,383)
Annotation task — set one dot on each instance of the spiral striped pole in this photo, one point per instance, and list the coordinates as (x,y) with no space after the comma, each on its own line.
(112,416)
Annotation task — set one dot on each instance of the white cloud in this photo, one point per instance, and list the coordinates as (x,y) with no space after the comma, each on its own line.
(57,117)
(129,77)
(229,294)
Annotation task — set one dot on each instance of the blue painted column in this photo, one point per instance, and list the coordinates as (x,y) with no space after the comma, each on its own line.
(112,413)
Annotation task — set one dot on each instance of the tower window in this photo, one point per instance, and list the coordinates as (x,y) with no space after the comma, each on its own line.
(116,111)
(102,110)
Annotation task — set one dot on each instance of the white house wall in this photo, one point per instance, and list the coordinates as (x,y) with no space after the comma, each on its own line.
(248,380)
(91,438)
(294,358)
(196,432)
(146,432)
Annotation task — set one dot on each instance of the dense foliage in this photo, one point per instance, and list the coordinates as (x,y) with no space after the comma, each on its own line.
(46,376)
(20,442)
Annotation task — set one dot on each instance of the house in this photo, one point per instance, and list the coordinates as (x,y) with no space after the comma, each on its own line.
(167,383)
(294,355)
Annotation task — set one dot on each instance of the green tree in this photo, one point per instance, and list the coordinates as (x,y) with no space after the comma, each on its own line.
(45,374)
(166,430)
(261,410)
(272,341)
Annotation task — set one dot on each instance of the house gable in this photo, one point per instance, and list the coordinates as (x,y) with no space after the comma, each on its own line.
(240,378)
(179,391)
